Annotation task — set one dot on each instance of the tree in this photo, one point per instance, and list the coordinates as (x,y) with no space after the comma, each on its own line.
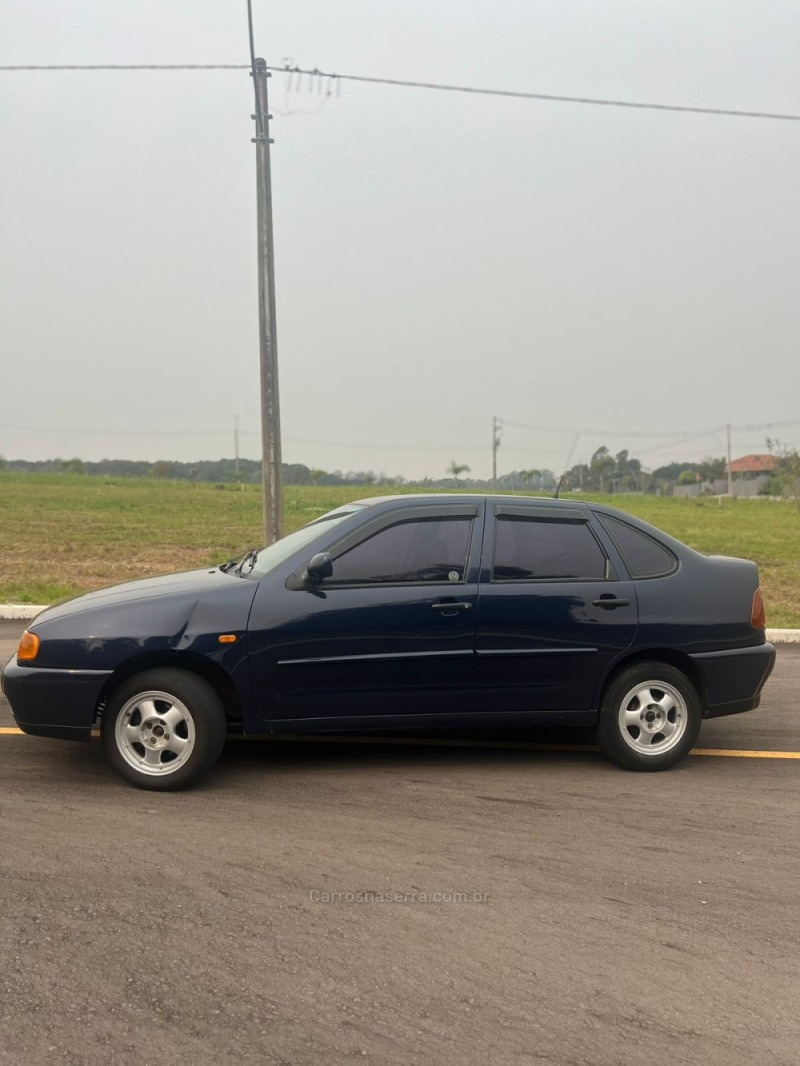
(73,466)
(787,470)
(456,469)
(712,469)
(601,467)
(528,476)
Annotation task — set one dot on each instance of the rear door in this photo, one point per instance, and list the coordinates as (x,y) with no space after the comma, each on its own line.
(553,612)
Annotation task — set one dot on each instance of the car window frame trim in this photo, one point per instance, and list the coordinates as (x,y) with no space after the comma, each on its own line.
(394,517)
(547,513)
(632,576)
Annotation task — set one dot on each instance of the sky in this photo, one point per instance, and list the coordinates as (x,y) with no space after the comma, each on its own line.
(589,275)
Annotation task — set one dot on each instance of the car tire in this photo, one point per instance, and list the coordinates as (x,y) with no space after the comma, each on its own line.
(163,729)
(650,717)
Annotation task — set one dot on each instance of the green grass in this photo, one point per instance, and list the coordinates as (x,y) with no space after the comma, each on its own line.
(65,534)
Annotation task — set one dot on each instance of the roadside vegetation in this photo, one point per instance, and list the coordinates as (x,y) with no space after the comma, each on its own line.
(63,534)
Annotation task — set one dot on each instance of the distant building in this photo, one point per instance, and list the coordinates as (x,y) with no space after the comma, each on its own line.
(751,474)
(753,465)
(750,477)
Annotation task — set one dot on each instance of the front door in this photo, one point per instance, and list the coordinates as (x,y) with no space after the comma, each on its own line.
(553,613)
(390,633)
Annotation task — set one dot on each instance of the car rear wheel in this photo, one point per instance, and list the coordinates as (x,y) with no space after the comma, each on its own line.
(650,717)
(163,729)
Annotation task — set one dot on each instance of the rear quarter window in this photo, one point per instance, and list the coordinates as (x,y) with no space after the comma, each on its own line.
(643,555)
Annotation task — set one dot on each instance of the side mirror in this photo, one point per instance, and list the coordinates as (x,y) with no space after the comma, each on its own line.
(319,567)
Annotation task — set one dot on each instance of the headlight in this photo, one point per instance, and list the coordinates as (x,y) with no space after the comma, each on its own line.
(28,647)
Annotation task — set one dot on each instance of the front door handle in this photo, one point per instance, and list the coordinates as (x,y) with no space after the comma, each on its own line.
(610,602)
(451,606)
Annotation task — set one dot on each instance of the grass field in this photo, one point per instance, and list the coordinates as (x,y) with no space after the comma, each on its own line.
(65,534)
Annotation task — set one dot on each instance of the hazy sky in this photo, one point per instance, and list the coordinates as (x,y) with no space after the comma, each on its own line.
(441,258)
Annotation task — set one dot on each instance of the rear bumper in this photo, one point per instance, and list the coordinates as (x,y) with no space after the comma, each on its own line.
(53,703)
(733,680)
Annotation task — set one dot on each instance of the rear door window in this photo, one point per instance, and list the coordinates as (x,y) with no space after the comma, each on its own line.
(530,549)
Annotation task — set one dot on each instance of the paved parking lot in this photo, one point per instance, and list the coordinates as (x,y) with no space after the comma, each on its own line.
(347,902)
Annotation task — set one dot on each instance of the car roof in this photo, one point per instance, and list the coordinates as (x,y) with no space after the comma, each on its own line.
(455,497)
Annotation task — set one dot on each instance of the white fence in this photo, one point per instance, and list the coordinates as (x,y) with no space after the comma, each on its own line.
(719,487)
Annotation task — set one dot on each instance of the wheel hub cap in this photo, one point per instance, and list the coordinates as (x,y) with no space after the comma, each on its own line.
(653,718)
(155,733)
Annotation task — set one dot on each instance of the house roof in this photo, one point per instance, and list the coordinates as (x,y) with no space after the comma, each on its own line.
(754,464)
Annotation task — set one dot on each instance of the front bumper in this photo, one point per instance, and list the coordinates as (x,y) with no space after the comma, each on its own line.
(733,680)
(53,703)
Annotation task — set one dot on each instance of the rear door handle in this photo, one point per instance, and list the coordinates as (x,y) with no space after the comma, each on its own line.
(609,602)
(452,606)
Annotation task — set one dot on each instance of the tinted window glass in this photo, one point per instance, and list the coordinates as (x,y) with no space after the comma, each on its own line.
(528,548)
(272,556)
(644,556)
(429,549)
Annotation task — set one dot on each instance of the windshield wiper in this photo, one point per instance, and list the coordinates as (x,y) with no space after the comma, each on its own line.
(251,557)
(239,561)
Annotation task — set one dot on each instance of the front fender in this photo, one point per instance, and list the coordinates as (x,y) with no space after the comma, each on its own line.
(81,654)
(106,636)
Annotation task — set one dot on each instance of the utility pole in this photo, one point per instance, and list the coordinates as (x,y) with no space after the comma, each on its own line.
(496,435)
(270,403)
(236,444)
(730,475)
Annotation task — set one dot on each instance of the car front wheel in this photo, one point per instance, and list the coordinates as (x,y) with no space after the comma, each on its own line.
(163,729)
(650,717)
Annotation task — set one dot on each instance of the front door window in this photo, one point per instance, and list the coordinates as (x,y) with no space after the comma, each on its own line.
(412,552)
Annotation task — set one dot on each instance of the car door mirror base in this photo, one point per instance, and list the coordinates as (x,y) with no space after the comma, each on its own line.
(311,575)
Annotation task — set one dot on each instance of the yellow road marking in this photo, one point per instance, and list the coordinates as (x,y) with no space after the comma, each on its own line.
(732,753)
(436,742)
(508,744)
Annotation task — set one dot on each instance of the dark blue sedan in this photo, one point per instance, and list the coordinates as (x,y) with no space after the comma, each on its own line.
(407,612)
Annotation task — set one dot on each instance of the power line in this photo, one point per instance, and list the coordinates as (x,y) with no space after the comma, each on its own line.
(82,431)
(677,442)
(621,431)
(674,441)
(412,84)
(389,447)
(616,432)
(128,66)
(120,432)
(549,97)
(766,425)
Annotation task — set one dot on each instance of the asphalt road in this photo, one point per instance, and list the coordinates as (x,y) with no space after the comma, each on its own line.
(610,918)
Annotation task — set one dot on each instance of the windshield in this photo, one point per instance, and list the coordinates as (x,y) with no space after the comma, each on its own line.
(267,559)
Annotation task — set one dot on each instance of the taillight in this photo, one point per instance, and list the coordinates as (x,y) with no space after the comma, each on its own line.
(28,647)
(757,617)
